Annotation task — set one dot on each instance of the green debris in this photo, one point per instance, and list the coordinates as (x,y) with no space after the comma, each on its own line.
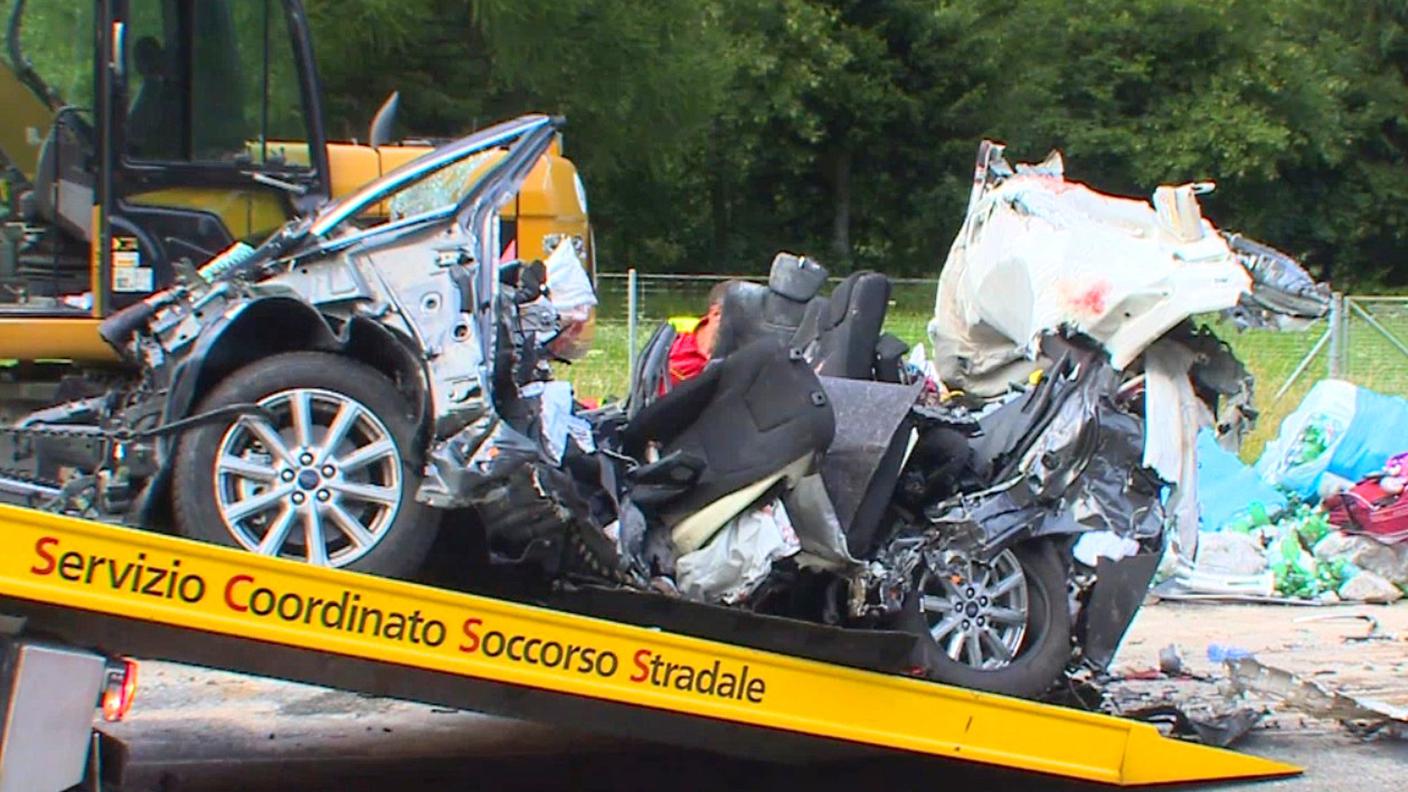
(1255,517)
(1296,571)
(1313,442)
(1292,567)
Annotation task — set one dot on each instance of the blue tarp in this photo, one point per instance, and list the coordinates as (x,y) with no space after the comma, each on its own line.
(1228,490)
(1379,430)
(1339,429)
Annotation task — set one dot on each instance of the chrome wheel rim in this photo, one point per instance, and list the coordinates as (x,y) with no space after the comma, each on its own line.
(978,613)
(319,480)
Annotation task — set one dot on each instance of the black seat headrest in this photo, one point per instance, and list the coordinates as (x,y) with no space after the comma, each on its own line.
(797,278)
(752,311)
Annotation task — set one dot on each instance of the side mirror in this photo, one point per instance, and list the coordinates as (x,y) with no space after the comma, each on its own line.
(385,118)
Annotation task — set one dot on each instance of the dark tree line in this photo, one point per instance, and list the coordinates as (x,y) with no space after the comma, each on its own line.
(713,132)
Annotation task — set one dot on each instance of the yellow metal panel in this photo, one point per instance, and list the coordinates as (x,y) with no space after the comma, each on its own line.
(96,567)
(26,124)
(53,338)
(393,157)
(550,190)
(95,254)
(292,152)
(244,212)
(352,166)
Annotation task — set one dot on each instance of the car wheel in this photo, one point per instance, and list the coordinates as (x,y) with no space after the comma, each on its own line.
(325,475)
(1002,626)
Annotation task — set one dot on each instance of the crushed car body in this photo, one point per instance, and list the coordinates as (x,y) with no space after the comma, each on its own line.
(349,388)
(1038,253)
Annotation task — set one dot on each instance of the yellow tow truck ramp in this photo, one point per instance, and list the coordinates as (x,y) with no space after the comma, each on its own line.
(150,595)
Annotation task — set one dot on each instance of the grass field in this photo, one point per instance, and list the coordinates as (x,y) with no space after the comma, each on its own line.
(1371,360)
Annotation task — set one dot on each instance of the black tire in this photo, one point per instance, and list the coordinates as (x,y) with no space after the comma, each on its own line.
(405,529)
(1045,647)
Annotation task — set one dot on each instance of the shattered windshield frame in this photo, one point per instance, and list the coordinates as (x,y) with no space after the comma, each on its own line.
(334,217)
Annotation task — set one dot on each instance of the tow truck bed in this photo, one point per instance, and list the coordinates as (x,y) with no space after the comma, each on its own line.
(148,595)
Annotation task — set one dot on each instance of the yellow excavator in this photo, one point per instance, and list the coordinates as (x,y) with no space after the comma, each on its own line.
(138,133)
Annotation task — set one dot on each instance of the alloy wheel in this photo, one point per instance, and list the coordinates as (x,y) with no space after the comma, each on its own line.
(319,480)
(978,611)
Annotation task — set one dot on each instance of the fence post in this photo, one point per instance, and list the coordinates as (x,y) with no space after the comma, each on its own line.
(1336,333)
(1346,350)
(631,286)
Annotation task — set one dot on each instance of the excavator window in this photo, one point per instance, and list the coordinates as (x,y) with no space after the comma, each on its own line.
(55,38)
(214,82)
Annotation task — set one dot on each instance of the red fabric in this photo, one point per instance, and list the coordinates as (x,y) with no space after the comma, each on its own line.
(1369,509)
(686,359)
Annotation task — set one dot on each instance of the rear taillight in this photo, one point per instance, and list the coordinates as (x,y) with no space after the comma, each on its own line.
(119,689)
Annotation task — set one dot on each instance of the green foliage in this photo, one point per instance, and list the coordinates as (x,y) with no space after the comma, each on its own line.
(56,38)
(713,132)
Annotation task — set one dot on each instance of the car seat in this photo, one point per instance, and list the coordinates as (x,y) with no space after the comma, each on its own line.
(842,334)
(727,437)
(752,311)
(849,329)
(63,180)
(652,373)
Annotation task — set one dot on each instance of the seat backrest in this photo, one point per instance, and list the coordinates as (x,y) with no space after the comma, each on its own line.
(63,187)
(806,335)
(752,311)
(741,318)
(748,416)
(849,329)
(699,526)
(652,374)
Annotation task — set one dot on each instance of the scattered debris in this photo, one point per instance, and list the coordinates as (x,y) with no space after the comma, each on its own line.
(1340,432)
(1219,731)
(1365,717)
(1374,634)
(1230,553)
(1217,653)
(1297,558)
(1232,498)
(1170,661)
(1377,506)
(1389,562)
(1190,580)
(1170,590)
(1369,587)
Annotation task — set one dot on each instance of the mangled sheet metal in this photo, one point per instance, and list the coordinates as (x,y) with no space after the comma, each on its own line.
(1062,459)
(1221,730)
(1363,716)
(1039,254)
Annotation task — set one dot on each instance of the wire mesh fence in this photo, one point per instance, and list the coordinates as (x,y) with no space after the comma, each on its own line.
(1365,340)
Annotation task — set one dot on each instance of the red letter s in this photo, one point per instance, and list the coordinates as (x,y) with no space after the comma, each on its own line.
(39,549)
(641,657)
(468,628)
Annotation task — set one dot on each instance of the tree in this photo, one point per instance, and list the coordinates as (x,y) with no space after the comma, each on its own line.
(713,133)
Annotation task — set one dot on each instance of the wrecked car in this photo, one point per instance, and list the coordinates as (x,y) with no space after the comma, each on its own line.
(393,380)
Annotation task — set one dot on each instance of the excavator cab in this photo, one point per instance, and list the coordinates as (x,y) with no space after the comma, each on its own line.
(165,141)
(143,132)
